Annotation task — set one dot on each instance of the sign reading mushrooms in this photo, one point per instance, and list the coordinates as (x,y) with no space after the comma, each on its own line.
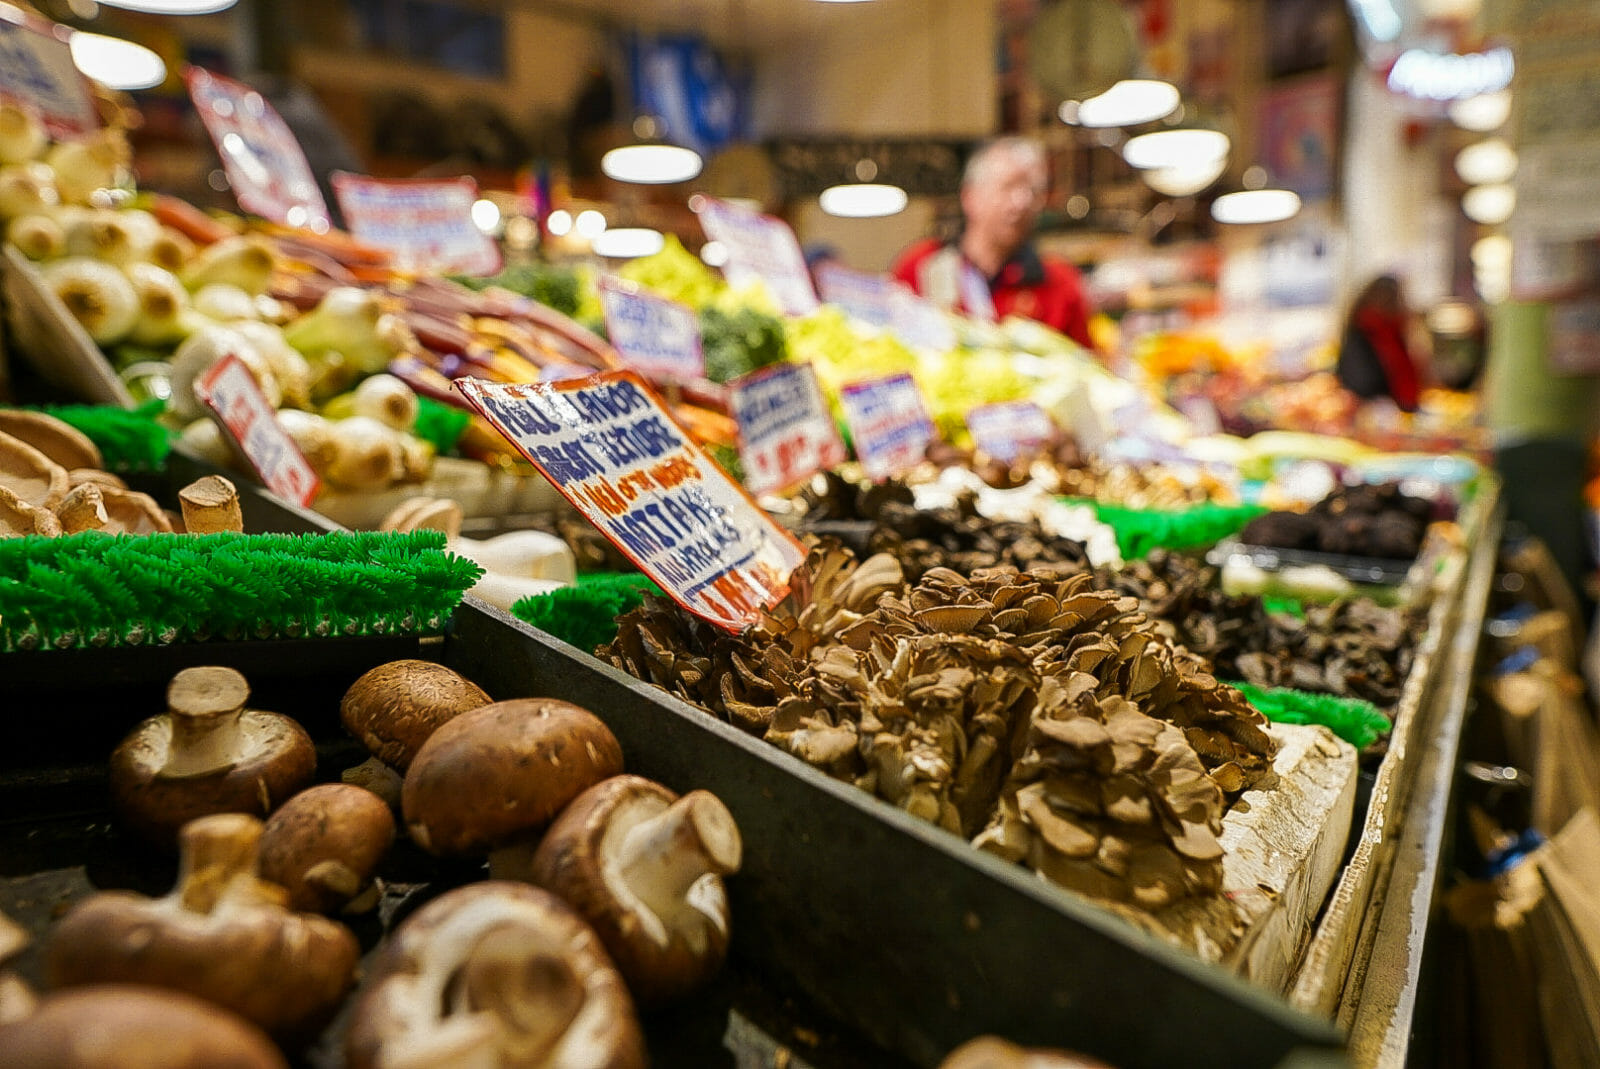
(888,423)
(613,451)
(785,432)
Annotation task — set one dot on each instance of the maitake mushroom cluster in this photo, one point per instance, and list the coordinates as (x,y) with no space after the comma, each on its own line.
(1045,719)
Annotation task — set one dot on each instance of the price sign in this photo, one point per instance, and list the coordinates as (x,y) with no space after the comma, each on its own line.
(264,162)
(785,432)
(764,248)
(869,298)
(1011,429)
(239,408)
(888,423)
(657,337)
(612,450)
(425,223)
(37,73)
(919,322)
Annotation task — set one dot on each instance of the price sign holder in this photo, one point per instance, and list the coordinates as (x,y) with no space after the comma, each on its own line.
(612,450)
(657,337)
(264,163)
(761,248)
(424,222)
(1011,429)
(785,432)
(37,73)
(888,423)
(236,403)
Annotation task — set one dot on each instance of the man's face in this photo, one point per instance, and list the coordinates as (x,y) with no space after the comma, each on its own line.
(1005,201)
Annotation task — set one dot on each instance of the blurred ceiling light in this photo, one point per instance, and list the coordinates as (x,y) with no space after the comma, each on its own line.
(1128,103)
(1489,205)
(115,63)
(651,164)
(172,7)
(1184,179)
(590,224)
(485,215)
(714,254)
(1486,162)
(1492,251)
(863,200)
(1255,206)
(1379,18)
(627,242)
(559,223)
(1451,75)
(1482,113)
(1176,148)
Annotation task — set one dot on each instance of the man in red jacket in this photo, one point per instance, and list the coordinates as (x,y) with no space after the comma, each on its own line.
(992,269)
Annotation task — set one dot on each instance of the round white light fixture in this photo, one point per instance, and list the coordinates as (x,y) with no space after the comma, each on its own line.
(1482,113)
(1175,148)
(1492,251)
(1489,205)
(559,223)
(714,254)
(1128,103)
(1486,163)
(485,215)
(1184,179)
(172,7)
(590,224)
(1255,206)
(626,242)
(115,63)
(651,164)
(863,200)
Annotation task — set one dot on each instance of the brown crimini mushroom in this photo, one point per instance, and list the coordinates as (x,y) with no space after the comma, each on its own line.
(207,754)
(991,1052)
(392,710)
(494,974)
(131,512)
(16,997)
(126,1026)
(645,868)
(222,934)
(491,779)
(323,846)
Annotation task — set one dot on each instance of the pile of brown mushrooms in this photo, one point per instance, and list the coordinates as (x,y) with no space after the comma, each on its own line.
(51,483)
(1044,719)
(617,900)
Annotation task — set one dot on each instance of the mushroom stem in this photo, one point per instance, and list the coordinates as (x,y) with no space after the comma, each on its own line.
(211,505)
(206,705)
(460,1041)
(536,997)
(215,852)
(662,856)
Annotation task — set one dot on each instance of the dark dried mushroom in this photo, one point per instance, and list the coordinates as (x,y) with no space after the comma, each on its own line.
(207,754)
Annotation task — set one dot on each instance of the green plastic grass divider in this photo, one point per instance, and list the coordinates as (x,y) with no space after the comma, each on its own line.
(129,440)
(1355,721)
(1139,531)
(586,615)
(93,589)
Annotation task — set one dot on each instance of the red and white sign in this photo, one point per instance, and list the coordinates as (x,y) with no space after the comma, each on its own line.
(241,410)
(764,248)
(1010,430)
(265,164)
(657,337)
(869,298)
(888,423)
(37,73)
(426,223)
(613,451)
(785,432)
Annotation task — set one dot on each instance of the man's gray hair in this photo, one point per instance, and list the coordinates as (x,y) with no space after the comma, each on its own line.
(982,161)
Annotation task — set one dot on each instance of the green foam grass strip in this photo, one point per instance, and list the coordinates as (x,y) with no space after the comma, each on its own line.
(129,441)
(1355,721)
(440,425)
(585,615)
(93,589)
(1139,531)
